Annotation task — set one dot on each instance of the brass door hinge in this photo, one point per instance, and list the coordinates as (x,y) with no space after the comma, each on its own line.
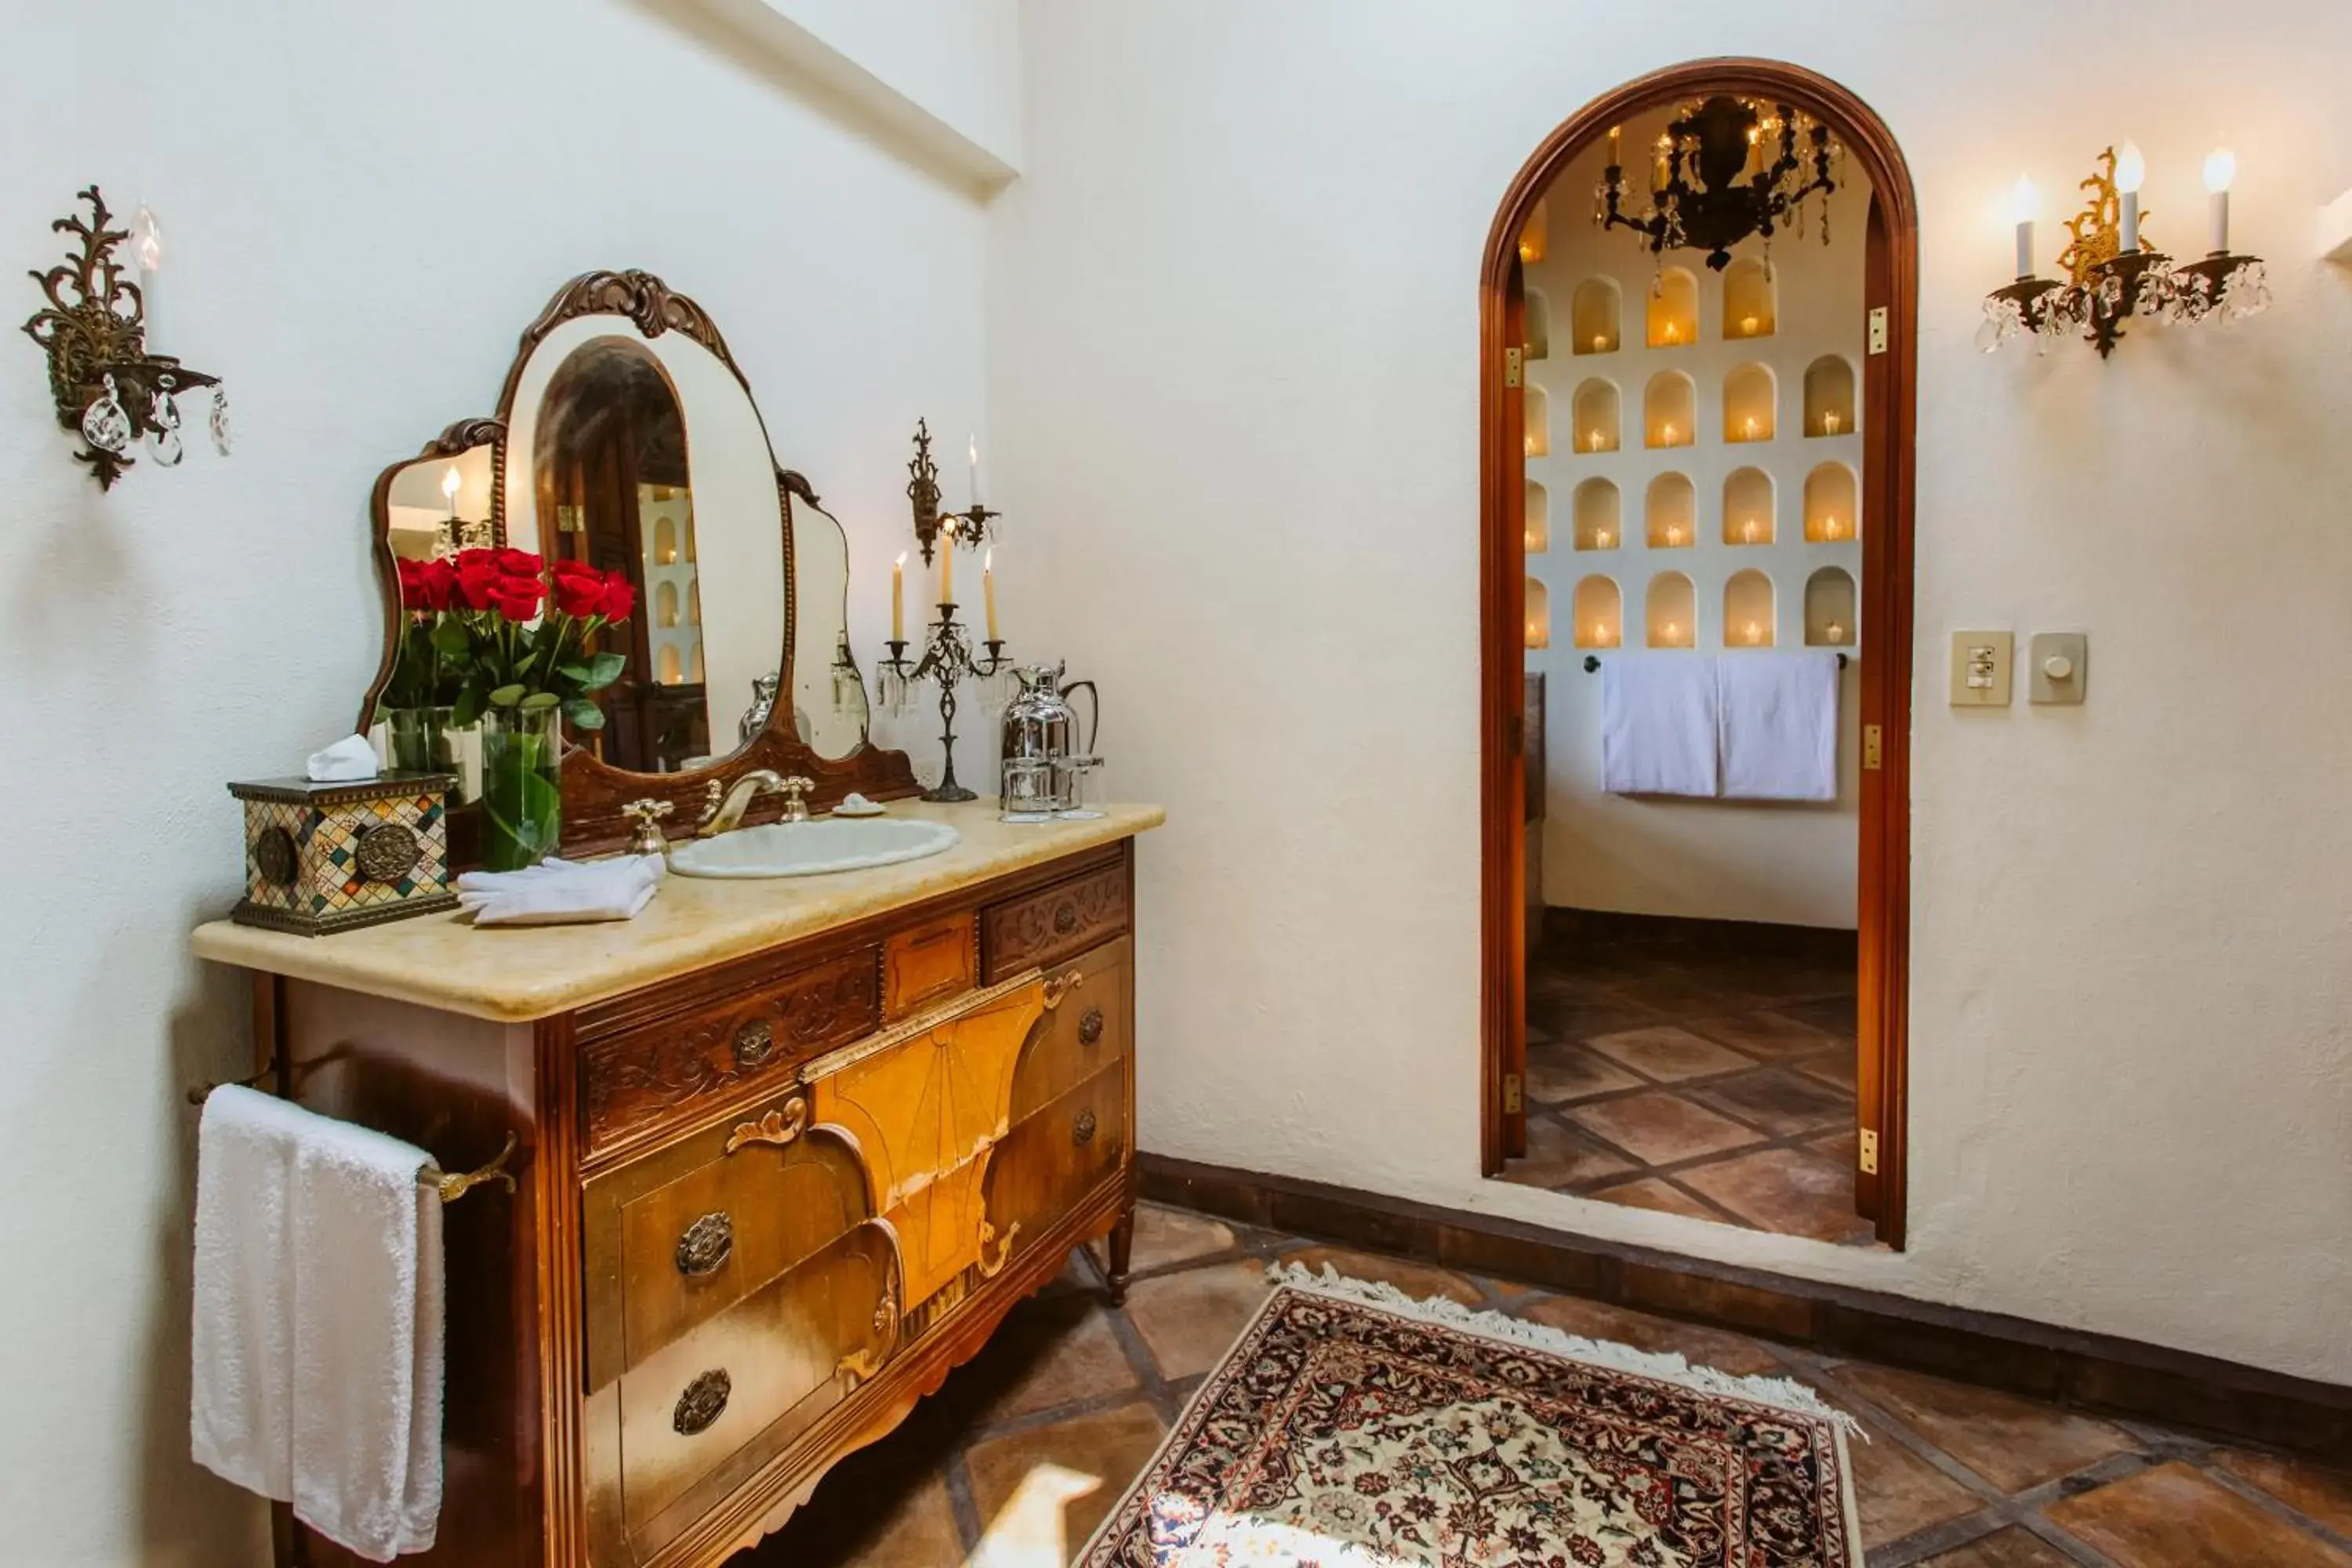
(1514,1098)
(1514,366)
(1867,1153)
(1878,331)
(1874,746)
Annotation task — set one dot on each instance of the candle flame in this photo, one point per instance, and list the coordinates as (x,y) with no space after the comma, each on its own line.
(450,483)
(2024,202)
(2220,168)
(901,561)
(2131,168)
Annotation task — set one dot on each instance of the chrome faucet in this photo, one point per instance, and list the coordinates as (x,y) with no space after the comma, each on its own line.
(724,805)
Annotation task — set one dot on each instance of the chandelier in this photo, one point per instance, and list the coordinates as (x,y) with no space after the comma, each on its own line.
(1725,169)
(2112,273)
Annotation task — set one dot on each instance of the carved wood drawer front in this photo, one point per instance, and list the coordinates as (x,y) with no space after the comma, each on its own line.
(666,1072)
(1086,1032)
(926,964)
(1054,923)
(676,1238)
(1063,1152)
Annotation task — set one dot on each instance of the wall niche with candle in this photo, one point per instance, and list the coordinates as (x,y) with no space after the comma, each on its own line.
(1539,519)
(1750,396)
(1538,325)
(1535,240)
(1830,608)
(1829,397)
(1748,610)
(1749,306)
(1598,508)
(1599,612)
(1539,615)
(1593,316)
(1670,512)
(1671,611)
(1536,412)
(1674,309)
(1670,410)
(1832,505)
(1749,508)
(1596,415)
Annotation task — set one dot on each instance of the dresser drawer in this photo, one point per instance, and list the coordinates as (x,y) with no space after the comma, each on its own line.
(1055,922)
(926,964)
(1087,1032)
(677,1239)
(668,1070)
(1049,1164)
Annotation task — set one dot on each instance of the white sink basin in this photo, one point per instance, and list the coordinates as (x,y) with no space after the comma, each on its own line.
(811,849)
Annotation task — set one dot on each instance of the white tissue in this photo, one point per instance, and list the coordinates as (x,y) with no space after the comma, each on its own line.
(349,761)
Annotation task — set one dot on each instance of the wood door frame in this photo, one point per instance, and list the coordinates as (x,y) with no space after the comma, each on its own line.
(1890,409)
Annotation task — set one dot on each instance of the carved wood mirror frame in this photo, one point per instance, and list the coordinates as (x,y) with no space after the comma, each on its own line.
(594,790)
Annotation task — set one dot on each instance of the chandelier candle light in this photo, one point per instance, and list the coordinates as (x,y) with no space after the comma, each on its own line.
(947,658)
(2112,272)
(1727,168)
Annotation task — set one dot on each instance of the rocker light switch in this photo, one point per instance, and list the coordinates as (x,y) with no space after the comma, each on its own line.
(1980,662)
(2055,669)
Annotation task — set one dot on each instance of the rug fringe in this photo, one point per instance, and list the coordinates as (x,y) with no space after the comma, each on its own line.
(1785,1393)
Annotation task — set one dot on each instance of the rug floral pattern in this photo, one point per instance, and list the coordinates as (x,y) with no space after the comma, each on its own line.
(1337,1435)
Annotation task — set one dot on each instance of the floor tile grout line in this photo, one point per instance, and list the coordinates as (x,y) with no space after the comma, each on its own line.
(2277,1506)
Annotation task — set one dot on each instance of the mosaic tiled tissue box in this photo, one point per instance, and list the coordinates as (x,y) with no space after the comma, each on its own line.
(322,857)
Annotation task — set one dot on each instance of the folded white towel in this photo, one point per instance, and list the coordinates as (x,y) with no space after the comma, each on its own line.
(562,893)
(318,1333)
(1780,718)
(349,761)
(1658,723)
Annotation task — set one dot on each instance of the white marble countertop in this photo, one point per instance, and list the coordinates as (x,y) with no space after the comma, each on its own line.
(514,973)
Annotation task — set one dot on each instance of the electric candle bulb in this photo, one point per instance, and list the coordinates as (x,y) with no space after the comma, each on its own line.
(2131,173)
(1747,532)
(2220,168)
(1755,633)
(1829,424)
(1592,442)
(898,598)
(1529,443)
(450,484)
(988,590)
(147,244)
(1673,533)
(1601,632)
(1669,439)
(1750,429)
(2023,203)
(1673,632)
(1674,333)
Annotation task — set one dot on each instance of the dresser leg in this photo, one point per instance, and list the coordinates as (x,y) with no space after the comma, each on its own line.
(1122,1246)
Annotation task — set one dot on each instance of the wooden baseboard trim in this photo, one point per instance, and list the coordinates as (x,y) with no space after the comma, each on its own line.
(2070,1366)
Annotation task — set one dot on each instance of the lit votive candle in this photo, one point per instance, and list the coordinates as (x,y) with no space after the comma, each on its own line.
(1747,532)
(1668,437)
(1748,430)
(1833,632)
(1674,333)
(1755,632)
(1600,538)
(1829,424)
(1674,633)
(1600,346)
(1748,325)
(1673,533)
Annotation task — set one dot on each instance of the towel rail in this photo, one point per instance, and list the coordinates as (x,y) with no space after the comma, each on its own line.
(450,1186)
(1592,663)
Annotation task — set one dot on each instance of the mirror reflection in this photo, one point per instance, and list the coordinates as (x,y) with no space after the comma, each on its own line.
(829,703)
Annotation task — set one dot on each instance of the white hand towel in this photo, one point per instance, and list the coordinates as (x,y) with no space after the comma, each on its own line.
(1780,717)
(1658,723)
(562,893)
(318,1327)
(349,761)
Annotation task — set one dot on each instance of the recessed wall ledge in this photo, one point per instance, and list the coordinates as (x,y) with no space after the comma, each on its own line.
(2335,230)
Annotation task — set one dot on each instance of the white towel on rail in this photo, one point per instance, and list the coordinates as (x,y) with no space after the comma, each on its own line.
(1658,723)
(1780,718)
(318,1332)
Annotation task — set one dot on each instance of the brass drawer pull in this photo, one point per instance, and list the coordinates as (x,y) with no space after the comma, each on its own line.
(1065,919)
(1090,1027)
(755,1042)
(1082,1131)
(704,1401)
(707,1245)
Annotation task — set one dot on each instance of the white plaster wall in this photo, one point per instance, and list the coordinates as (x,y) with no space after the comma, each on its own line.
(357,257)
(1232,332)
(1723,860)
(959,59)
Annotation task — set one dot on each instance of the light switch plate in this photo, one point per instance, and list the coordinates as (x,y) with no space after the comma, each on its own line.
(2055,666)
(1981,669)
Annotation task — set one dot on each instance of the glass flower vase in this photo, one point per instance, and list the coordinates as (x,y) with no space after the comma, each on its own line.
(417,740)
(522,790)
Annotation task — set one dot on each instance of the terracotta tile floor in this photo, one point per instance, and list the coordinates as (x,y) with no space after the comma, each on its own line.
(1694,1068)
(1013,1462)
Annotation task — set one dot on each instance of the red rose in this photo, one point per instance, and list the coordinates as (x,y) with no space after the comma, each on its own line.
(517,598)
(433,586)
(619,596)
(477,579)
(519,562)
(579,589)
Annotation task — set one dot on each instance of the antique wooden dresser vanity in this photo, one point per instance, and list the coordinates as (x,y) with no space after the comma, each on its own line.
(785,1150)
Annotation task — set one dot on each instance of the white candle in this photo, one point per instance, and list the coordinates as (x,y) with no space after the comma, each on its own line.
(1747,532)
(947,562)
(147,244)
(1755,632)
(1600,538)
(1748,325)
(1600,345)
(450,482)
(1674,633)
(1829,424)
(988,591)
(2131,171)
(2023,201)
(1833,632)
(1600,635)
(898,598)
(1673,533)
(972,452)
(1669,437)
(1616,146)
(2220,168)
(1750,429)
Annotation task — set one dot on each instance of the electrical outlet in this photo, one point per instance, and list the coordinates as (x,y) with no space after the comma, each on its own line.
(1981,669)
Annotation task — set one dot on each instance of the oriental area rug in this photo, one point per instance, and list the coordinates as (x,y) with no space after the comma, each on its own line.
(1353,1427)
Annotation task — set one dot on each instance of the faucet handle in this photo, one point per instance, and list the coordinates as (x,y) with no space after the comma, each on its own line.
(792,788)
(646,838)
(714,795)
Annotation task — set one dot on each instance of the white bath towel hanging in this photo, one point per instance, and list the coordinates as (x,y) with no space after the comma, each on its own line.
(1780,718)
(318,1333)
(1658,723)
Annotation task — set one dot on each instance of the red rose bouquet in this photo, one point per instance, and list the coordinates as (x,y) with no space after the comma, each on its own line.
(429,663)
(529,644)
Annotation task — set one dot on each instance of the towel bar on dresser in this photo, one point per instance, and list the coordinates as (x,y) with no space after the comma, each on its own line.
(1592,663)
(450,1187)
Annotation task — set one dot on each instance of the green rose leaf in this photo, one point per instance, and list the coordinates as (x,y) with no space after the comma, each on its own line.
(449,637)
(605,668)
(508,696)
(584,714)
(538,701)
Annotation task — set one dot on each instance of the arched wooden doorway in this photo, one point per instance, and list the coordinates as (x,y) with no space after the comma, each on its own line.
(1890,396)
